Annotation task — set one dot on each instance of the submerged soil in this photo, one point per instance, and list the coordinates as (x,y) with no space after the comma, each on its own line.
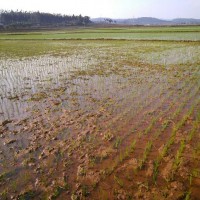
(101,120)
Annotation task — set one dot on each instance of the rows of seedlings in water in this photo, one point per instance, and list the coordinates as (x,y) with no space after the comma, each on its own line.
(149,144)
(145,107)
(192,154)
(21,78)
(156,119)
(117,140)
(83,169)
(147,149)
(82,145)
(75,61)
(12,140)
(179,86)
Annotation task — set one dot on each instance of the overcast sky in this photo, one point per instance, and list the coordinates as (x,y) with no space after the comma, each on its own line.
(165,9)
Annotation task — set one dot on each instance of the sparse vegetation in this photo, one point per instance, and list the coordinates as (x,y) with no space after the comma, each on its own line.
(114,115)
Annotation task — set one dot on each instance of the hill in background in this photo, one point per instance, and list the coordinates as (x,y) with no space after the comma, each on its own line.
(147,21)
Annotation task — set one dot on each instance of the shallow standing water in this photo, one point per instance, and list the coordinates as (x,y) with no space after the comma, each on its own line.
(74,124)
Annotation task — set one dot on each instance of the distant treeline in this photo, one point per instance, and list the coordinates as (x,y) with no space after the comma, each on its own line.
(17,19)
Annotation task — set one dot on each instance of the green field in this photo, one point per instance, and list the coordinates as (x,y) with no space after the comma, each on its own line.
(100,114)
(147,33)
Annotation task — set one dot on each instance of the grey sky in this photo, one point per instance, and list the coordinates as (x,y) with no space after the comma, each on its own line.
(165,9)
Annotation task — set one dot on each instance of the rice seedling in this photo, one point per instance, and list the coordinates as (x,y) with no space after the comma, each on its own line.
(4,194)
(85,190)
(117,142)
(118,181)
(3,176)
(178,159)
(148,129)
(27,195)
(99,91)
(165,124)
(103,194)
(188,195)
(194,174)
(156,164)
(57,192)
(145,154)
(132,146)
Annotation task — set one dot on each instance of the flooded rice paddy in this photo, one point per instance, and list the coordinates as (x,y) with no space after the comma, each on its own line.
(96,119)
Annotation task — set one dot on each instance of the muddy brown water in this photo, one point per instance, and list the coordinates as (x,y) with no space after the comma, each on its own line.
(67,128)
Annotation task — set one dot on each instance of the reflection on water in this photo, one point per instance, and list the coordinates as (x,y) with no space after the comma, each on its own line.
(70,79)
(21,78)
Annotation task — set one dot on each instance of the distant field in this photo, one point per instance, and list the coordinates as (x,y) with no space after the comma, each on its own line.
(145,33)
(100,114)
